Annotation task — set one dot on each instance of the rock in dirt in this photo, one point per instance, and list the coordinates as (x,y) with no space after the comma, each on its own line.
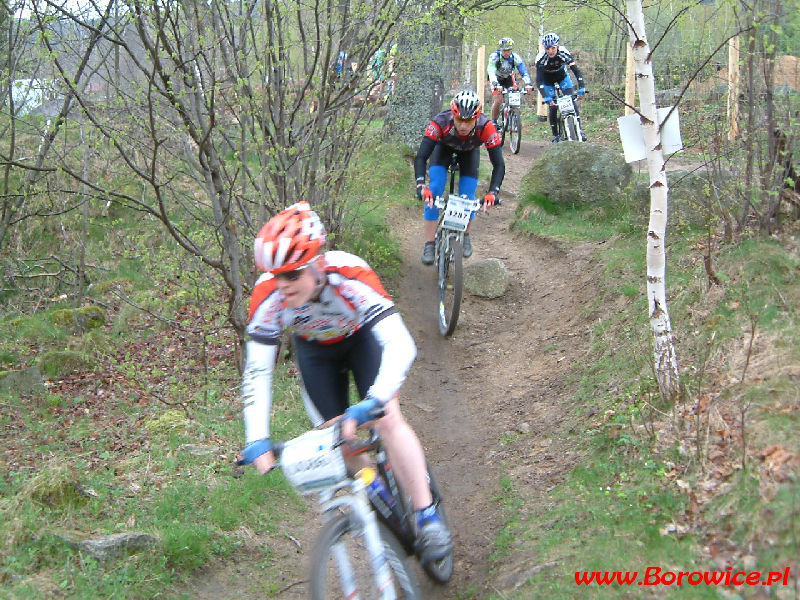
(487,278)
(108,547)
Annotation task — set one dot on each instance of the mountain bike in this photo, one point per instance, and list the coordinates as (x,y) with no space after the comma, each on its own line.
(512,123)
(454,216)
(369,531)
(569,123)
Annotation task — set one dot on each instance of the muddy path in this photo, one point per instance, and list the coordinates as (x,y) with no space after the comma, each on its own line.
(500,372)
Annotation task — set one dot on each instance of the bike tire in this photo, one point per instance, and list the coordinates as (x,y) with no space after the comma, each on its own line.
(572,128)
(515,132)
(451,286)
(324,572)
(441,570)
(505,129)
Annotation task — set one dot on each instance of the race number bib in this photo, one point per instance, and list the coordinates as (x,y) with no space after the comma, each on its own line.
(565,104)
(514,98)
(310,462)
(457,213)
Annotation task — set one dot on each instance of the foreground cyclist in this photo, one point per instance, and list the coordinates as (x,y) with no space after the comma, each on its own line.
(459,131)
(500,71)
(551,68)
(343,321)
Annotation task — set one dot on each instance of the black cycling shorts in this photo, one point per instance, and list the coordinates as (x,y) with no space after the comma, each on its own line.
(506,82)
(325,369)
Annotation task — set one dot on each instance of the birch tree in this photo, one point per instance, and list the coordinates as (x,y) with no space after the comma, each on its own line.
(666,361)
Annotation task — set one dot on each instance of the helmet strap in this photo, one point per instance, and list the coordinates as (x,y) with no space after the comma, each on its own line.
(319,276)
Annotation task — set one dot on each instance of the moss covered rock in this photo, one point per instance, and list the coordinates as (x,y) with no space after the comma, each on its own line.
(25,382)
(81,319)
(168,420)
(54,484)
(60,363)
(573,174)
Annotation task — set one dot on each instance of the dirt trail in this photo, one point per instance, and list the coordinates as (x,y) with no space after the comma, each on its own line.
(501,371)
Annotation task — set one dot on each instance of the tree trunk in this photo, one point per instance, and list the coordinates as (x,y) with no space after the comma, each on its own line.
(418,91)
(666,362)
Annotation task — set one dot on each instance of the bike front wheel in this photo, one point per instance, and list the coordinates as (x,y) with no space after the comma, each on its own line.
(515,132)
(572,128)
(451,285)
(340,565)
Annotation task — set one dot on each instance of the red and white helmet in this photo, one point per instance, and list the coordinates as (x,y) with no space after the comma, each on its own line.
(289,240)
(466,105)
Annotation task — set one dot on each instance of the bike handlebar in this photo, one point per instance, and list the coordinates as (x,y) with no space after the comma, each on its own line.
(354,447)
(441,201)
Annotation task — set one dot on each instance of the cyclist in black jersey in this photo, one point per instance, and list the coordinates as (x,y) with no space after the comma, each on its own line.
(460,130)
(551,69)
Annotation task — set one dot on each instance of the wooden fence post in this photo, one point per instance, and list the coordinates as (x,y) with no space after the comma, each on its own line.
(630,81)
(480,77)
(541,107)
(733,87)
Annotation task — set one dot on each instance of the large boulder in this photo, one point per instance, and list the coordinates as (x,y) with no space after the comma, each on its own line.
(487,278)
(573,173)
(60,363)
(81,319)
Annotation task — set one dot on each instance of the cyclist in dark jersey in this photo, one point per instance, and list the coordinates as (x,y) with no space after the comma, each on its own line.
(461,130)
(343,322)
(551,69)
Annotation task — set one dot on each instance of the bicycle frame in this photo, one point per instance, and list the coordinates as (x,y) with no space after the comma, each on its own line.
(455,213)
(569,123)
(357,506)
(452,230)
(313,464)
(511,117)
(512,98)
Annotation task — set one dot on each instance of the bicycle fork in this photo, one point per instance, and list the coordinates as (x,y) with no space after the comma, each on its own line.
(444,250)
(364,523)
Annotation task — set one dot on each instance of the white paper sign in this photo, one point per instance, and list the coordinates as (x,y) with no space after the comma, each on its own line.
(630,130)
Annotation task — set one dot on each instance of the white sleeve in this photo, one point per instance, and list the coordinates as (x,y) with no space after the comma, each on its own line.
(257,390)
(399,352)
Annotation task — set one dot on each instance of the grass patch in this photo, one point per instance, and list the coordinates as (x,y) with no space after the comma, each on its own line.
(121,431)
(602,221)
(665,486)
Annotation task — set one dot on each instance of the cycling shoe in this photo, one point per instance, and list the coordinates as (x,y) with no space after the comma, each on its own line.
(433,542)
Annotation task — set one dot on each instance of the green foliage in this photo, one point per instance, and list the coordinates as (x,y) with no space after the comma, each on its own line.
(614,511)
(382,177)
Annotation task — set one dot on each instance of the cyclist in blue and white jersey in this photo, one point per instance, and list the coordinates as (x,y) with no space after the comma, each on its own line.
(551,69)
(500,70)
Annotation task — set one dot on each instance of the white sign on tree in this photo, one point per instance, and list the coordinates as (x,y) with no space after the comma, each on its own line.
(632,134)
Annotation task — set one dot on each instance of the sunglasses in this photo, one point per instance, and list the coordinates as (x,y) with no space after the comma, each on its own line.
(460,120)
(290,275)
